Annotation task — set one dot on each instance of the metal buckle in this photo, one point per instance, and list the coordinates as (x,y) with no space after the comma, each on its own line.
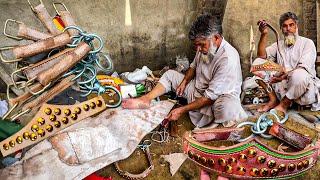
(6,60)
(15,73)
(55,7)
(5,29)
(31,6)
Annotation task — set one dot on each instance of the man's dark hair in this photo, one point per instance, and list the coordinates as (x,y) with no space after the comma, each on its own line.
(204,26)
(286,16)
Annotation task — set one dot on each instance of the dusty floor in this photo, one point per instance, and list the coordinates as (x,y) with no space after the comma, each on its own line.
(137,162)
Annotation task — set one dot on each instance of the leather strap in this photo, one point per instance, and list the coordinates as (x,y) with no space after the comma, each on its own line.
(73,57)
(32,34)
(216,134)
(46,19)
(142,175)
(34,70)
(68,21)
(24,97)
(291,137)
(46,96)
(49,120)
(41,46)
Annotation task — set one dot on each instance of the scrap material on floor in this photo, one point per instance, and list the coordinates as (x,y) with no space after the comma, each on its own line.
(89,145)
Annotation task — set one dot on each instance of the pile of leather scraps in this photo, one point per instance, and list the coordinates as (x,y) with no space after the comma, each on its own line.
(89,145)
(64,58)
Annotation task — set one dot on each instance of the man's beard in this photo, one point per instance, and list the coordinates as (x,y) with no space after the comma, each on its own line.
(211,52)
(290,39)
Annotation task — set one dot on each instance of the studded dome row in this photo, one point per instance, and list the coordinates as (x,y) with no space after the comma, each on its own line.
(49,120)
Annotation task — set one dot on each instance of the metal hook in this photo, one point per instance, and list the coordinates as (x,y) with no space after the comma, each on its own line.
(5,29)
(13,118)
(31,6)
(55,8)
(14,73)
(6,60)
(38,92)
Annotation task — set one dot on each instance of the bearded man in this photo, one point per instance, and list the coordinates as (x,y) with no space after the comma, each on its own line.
(211,85)
(298,83)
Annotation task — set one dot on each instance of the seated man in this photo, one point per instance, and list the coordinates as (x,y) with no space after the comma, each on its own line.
(298,55)
(211,85)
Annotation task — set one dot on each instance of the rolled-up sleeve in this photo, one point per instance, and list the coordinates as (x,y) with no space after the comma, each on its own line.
(309,56)
(272,51)
(222,81)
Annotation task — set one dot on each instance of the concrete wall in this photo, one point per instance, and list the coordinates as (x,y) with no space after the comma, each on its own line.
(241,14)
(157,35)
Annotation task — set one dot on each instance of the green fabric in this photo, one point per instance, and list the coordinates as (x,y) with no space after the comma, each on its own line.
(8,128)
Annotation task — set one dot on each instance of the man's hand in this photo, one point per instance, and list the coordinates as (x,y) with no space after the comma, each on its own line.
(263,26)
(276,79)
(174,115)
(181,88)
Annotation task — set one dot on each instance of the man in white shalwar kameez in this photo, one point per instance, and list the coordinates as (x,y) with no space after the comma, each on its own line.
(298,55)
(212,84)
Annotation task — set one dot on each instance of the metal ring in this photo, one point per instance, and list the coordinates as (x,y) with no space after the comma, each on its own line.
(31,6)
(119,95)
(109,62)
(5,29)
(6,60)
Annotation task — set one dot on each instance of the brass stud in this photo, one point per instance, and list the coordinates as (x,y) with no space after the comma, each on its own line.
(86,107)
(33,136)
(291,167)
(67,112)
(74,116)
(243,158)
(19,139)
(282,167)
(306,163)
(49,128)
(34,128)
(52,117)
(5,146)
(229,169)
(222,162)
(57,111)
(65,120)
(254,172)
(274,172)
(41,132)
(197,157)
(47,111)
(261,159)
(232,161)
(12,143)
(241,170)
(211,162)
(271,163)
(92,105)
(252,153)
(41,121)
(77,110)
(57,124)
(203,160)
(25,135)
(263,172)
(190,154)
(300,165)
(99,103)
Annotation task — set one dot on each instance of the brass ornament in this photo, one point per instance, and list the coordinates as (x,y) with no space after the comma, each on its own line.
(47,111)
(229,169)
(67,112)
(252,153)
(261,159)
(41,132)
(291,167)
(241,170)
(99,103)
(65,120)
(86,107)
(57,111)
(74,116)
(5,146)
(271,163)
(77,110)
(33,136)
(243,158)
(274,172)
(49,128)
(34,128)
(92,105)
(19,139)
(12,143)
(222,162)
(263,172)
(52,117)
(232,161)
(57,124)
(25,135)
(254,172)
(41,121)
(282,167)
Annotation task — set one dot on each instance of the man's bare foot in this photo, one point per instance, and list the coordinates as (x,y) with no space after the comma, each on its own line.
(268,106)
(136,103)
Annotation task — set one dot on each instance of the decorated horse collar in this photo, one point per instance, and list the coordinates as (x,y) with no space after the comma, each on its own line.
(250,159)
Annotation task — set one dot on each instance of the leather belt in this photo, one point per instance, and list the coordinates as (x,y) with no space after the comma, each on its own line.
(251,159)
(32,34)
(68,21)
(49,120)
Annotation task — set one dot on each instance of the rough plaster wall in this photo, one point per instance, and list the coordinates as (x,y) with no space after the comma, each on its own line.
(309,16)
(318,25)
(158,32)
(241,14)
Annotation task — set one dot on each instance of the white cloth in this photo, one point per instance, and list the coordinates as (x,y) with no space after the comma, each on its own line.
(220,80)
(302,55)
